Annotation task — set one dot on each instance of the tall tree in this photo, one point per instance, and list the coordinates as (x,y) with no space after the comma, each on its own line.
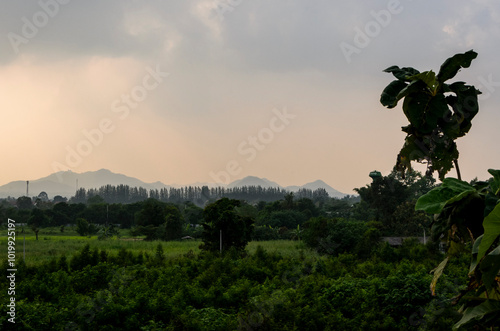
(174,223)
(464,212)
(223,216)
(37,220)
(438,113)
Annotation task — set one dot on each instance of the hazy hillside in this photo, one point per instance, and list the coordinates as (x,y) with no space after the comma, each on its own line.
(321,184)
(65,183)
(253,181)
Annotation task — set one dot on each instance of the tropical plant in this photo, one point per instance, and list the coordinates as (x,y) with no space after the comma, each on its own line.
(439,113)
(296,233)
(106,232)
(463,212)
(84,228)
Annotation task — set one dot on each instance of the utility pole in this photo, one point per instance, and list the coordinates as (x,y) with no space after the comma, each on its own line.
(27,188)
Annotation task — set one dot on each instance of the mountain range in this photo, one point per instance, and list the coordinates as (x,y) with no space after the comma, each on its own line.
(65,183)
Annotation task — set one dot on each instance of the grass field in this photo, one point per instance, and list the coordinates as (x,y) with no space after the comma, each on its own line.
(53,244)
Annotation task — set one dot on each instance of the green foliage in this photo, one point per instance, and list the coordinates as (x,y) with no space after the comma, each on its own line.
(159,221)
(82,259)
(263,290)
(192,213)
(260,233)
(152,213)
(438,112)
(37,220)
(335,236)
(174,223)
(84,228)
(106,232)
(369,241)
(450,191)
(24,203)
(315,229)
(286,218)
(95,200)
(159,257)
(392,200)
(222,215)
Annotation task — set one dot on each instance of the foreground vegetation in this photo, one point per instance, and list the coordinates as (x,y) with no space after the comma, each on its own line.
(325,267)
(255,289)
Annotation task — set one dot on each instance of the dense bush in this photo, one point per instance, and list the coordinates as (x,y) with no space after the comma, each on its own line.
(234,291)
(223,218)
(335,236)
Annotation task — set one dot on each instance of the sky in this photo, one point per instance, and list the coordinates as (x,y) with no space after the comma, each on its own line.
(216,90)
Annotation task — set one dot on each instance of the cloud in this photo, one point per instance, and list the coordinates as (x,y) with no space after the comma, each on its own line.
(227,74)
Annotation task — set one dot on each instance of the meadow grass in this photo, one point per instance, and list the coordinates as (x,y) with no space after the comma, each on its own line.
(52,244)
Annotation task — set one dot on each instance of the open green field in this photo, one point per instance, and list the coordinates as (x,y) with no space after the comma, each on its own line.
(53,244)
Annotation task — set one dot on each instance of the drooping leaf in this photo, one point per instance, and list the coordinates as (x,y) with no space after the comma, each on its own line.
(475,250)
(495,181)
(449,122)
(450,191)
(437,273)
(491,226)
(478,312)
(466,108)
(438,113)
(429,78)
(402,74)
(389,97)
(436,109)
(412,150)
(490,266)
(455,248)
(414,108)
(490,202)
(413,87)
(452,65)
(444,152)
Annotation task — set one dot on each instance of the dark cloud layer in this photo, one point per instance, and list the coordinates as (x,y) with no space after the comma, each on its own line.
(231,62)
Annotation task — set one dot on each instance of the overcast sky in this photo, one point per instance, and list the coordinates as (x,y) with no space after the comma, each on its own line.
(194,91)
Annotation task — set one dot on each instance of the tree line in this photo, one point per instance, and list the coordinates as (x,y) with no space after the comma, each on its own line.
(195,194)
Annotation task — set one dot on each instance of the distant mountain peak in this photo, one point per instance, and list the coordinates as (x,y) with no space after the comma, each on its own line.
(64,183)
(106,171)
(317,184)
(253,181)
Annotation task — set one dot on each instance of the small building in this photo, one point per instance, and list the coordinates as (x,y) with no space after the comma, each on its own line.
(398,241)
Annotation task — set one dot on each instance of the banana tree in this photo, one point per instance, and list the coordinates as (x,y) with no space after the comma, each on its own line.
(439,113)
